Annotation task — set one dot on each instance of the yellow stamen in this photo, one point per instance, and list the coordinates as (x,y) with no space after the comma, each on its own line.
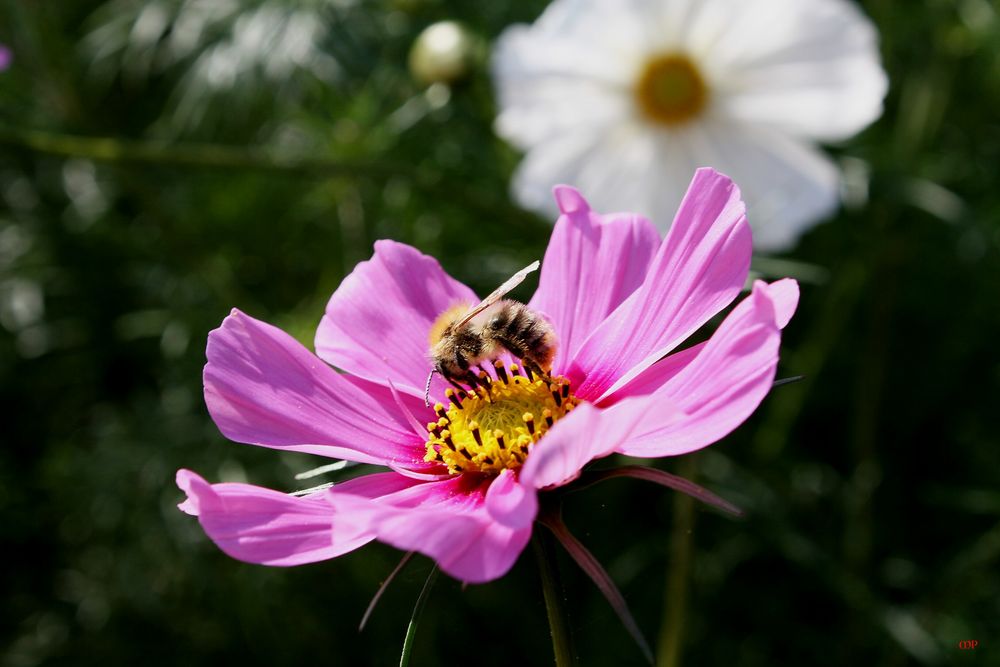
(671,90)
(495,427)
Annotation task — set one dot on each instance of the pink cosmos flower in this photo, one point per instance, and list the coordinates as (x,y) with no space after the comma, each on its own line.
(465,476)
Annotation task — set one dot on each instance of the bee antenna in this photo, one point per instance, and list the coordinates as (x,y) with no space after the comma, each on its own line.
(427,388)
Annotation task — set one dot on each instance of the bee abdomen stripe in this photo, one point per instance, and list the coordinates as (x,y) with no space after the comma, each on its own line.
(537,336)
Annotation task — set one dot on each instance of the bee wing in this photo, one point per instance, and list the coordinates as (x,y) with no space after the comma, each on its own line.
(498,293)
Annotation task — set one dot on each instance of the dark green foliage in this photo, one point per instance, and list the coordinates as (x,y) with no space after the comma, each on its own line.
(872,487)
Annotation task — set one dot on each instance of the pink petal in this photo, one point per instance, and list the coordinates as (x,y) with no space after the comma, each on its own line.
(511,503)
(262,387)
(699,269)
(411,408)
(470,547)
(592,264)
(457,492)
(585,434)
(655,376)
(377,323)
(785,294)
(408,411)
(723,384)
(379,485)
(258,525)
(447,521)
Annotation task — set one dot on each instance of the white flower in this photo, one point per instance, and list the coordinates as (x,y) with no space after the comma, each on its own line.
(625,98)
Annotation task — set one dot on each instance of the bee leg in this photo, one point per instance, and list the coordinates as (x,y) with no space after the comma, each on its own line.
(517,347)
(466,376)
(514,346)
(531,365)
(486,381)
(472,383)
(475,383)
(453,383)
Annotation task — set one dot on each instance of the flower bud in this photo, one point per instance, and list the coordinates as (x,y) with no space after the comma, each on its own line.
(443,53)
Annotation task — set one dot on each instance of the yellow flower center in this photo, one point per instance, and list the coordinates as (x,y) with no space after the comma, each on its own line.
(671,90)
(494,426)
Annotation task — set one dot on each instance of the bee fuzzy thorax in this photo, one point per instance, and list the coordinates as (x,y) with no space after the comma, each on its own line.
(494,426)
(491,420)
(464,336)
(461,343)
(445,322)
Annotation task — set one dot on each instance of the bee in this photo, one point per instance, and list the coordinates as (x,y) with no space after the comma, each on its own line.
(463,337)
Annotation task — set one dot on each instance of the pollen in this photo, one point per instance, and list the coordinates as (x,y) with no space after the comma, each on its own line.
(494,426)
(671,90)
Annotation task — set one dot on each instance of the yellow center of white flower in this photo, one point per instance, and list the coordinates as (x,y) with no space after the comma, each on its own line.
(671,90)
(495,426)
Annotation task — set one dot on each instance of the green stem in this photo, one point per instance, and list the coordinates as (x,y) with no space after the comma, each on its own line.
(217,156)
(260,158)
(671,637)
(418,609)
(545,555)
(265,159)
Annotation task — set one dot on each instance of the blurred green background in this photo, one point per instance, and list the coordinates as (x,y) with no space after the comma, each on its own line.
(165,161)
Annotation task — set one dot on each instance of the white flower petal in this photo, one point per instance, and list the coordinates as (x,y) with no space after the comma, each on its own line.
(540,106)
(778,72)
(561,74)
(817,75)
(601,30)
(788,185)
(608,164)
